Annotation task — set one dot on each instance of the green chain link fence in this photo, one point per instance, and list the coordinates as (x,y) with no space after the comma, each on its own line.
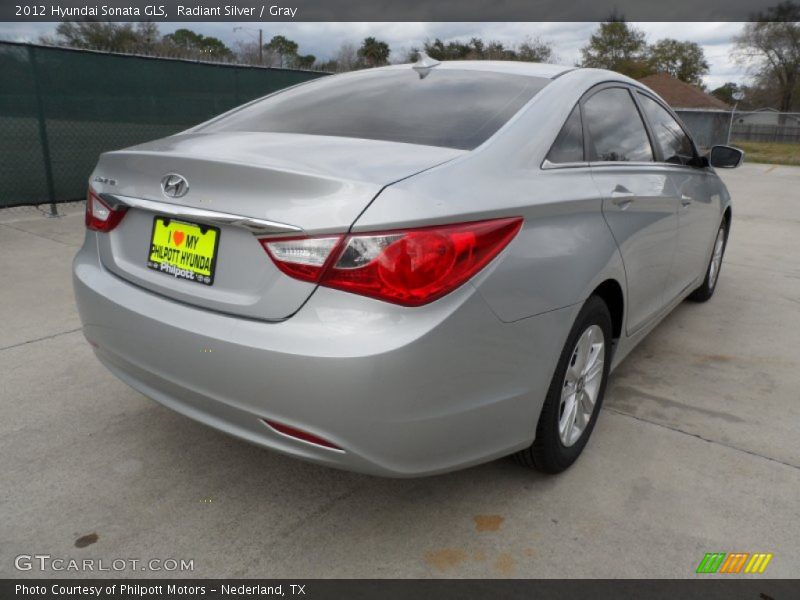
(60,108)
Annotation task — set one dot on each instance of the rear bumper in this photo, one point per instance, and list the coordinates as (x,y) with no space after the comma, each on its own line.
(403,391)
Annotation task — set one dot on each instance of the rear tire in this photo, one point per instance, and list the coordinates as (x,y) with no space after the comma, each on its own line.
(575,394)
(706,289)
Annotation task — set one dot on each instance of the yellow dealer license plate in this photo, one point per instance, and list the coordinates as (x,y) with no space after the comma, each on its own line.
(184,250)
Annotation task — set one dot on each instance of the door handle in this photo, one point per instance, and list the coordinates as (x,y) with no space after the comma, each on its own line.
(622,196)
(623,202)
(686,200)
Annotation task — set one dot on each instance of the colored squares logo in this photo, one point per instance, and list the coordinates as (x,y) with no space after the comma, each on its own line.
(733,563)
(758,563)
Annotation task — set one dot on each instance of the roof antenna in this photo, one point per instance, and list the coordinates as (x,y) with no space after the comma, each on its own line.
(424,64)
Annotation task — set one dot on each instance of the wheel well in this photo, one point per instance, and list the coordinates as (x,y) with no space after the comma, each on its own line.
(610,292)
(727,217)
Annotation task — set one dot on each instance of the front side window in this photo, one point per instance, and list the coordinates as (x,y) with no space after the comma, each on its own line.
(453,108)
(616,131)
(568,147)
(675,145)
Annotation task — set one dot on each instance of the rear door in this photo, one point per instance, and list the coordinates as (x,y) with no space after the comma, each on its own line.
(639,199)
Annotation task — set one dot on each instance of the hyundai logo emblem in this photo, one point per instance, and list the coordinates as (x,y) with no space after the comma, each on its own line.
(174,185)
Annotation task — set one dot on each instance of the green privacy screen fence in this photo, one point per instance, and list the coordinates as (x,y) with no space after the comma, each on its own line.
(60,108)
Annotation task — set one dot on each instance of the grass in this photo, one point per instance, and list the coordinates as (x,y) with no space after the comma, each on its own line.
(770,152)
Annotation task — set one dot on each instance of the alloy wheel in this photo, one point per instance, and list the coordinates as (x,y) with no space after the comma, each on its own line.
(716,258)
(582,383)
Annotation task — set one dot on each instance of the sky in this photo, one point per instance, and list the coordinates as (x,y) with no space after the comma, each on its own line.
(323,39)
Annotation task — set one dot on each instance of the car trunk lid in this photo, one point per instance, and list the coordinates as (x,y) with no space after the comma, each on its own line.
(246,185)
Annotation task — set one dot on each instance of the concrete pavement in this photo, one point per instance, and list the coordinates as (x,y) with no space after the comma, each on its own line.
(697,449)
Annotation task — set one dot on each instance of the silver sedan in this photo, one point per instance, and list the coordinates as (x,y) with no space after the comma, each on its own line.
(407,270)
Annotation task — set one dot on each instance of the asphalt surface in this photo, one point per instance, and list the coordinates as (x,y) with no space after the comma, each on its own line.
(697,448)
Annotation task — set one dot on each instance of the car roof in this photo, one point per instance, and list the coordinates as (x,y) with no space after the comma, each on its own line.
(531,69)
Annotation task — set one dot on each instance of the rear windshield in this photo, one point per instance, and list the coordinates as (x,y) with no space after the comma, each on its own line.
(450,108)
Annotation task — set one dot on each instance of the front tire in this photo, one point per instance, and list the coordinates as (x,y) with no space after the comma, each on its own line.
(706,289)
(575,394)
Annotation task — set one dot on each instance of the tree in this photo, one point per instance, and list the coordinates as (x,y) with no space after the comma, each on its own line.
(143,38)
(247,53)
(110,37)
(535,50)
(285,49)
(771,43)
(683,60)
(454,50)
(373,52)
(345,59)
(531,50)
(496,51)
(475,49)
(193,43)
(305,61)
(726,91)
(619,47)
(763,90)
(149,37)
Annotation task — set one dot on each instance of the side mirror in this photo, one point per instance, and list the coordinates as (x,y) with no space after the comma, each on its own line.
(725,157)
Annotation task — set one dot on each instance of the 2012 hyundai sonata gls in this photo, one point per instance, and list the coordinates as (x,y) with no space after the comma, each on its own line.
(406,270)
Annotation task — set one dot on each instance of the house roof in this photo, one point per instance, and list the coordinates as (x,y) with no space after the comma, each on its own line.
(679,94)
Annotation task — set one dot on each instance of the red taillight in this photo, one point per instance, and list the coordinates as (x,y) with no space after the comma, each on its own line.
(99,215)
(409,267)
(301,435)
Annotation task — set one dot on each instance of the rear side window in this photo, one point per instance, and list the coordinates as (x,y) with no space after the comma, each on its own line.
(675,145)
(568,147)
(616,131)
(448,107)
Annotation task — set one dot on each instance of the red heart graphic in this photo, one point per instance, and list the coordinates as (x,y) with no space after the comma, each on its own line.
(177,237)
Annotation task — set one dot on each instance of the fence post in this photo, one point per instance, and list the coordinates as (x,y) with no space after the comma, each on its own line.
(730,124)
(48,167)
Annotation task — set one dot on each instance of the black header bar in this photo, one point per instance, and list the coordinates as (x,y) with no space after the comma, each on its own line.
(381,10)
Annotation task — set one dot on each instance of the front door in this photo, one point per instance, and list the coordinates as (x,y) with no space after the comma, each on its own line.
(697,196)
(639,199)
